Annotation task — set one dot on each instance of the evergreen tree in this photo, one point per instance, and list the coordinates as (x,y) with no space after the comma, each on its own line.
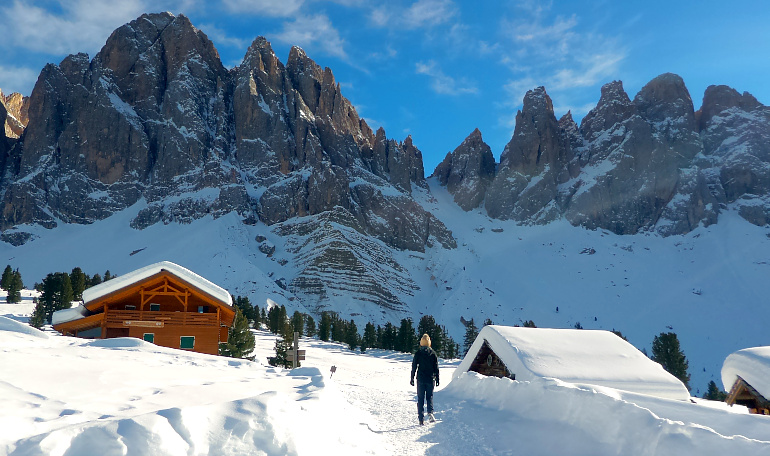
(5,282)
(351,336)
(325,326)
(407,340)
(471,332)
(14,288)
(310,330)
(389,337)
(339,333)
(488,322)
(578,325)
(66,295)
(619,334)
(427,325)
(56,294)
(529,324)
(95,280)
(78,279)
(370,337)
(243,304)
(298,322)
(37,319)
(282,348)
(714,393)
(240,341)
(107,275)
(666,352)
(274,321)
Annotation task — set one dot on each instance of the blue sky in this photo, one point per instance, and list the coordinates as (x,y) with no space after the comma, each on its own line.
(437,69)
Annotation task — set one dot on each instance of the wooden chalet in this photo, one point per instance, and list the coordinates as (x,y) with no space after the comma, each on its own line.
(746,373)
(744,394)
(163,303)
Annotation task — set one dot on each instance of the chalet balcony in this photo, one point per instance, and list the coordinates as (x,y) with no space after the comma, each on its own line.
(148,318)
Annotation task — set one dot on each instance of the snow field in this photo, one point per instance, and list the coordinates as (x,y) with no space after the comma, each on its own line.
(125,396)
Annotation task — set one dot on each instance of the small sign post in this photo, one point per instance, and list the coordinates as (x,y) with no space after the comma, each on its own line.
(295,355)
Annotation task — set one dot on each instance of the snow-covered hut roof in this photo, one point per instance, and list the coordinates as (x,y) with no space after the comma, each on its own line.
(65,315)
(752,365)
(126,280)
(579,356)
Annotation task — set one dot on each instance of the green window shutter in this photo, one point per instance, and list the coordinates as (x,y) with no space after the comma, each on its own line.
(187,342)
(149,337)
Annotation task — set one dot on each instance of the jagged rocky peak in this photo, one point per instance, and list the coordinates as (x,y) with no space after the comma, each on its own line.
(719,98)
(535,143)
(613,107)
(666,97)
(468,171)
(17,113)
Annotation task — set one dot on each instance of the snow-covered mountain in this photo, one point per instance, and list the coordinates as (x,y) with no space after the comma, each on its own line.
(264,179)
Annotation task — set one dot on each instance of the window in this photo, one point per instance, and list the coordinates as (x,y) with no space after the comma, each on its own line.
(149,337)
(130,307)
(201,309)
(187,342)
(154,307)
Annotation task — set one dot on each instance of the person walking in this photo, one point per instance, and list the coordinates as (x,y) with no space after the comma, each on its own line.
(425,363)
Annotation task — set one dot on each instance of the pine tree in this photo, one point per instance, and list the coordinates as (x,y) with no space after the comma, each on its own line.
(248,311)
(66,295)
(529,324)
(240,341)
(370,337)
(407,340)
(488,322)
(5,282)
(14,288)
(298,322)
(107,275)
(427,325)
(351,336)
(666,352)
(325,327)
(95,280)
(78,279)
(310,330)
(389,337)
(714,393)
(37,319)
(471,332)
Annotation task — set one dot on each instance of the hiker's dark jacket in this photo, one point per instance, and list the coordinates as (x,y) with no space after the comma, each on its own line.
(425,362)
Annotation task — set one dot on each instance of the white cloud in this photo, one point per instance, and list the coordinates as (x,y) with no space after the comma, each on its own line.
(420,14)
(74,25)
(428,13)
(276,8)
(441,83)
(554,52)
(17,79)
(314,32)
(221,38)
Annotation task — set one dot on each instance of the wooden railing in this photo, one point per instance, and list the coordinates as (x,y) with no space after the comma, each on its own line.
(117,318)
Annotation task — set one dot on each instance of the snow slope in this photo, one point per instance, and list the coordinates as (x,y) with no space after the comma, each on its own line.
(71,396)
(641,285)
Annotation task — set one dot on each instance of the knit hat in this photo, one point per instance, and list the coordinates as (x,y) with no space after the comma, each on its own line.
(425,341)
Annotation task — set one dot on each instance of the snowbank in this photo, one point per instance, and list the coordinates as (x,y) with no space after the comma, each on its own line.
(753,366)
(597,423)
(185,274)
(6,324)
(589,357)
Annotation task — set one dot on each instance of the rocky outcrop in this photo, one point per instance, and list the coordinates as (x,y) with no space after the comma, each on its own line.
(650,163)
(156,117)
(17,113)
(468,171)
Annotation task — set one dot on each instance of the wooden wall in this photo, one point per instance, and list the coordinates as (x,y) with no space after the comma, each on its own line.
(206,338)
(488,363)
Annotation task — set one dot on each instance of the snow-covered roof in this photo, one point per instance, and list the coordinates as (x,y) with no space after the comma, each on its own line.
(753,366)
(65,315)
(579,356)
(126,280)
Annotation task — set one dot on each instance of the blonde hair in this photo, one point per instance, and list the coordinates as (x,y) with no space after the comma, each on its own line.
(425,341)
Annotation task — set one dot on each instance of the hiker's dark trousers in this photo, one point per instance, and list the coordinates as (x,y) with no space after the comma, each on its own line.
(424,393)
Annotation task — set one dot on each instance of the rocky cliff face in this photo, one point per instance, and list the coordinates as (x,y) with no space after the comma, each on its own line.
(650,163)
(17,113)
(156,120)
(468,171)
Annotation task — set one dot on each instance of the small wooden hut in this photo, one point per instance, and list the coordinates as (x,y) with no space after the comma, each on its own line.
(746,373)
(581,357)
(162,303)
